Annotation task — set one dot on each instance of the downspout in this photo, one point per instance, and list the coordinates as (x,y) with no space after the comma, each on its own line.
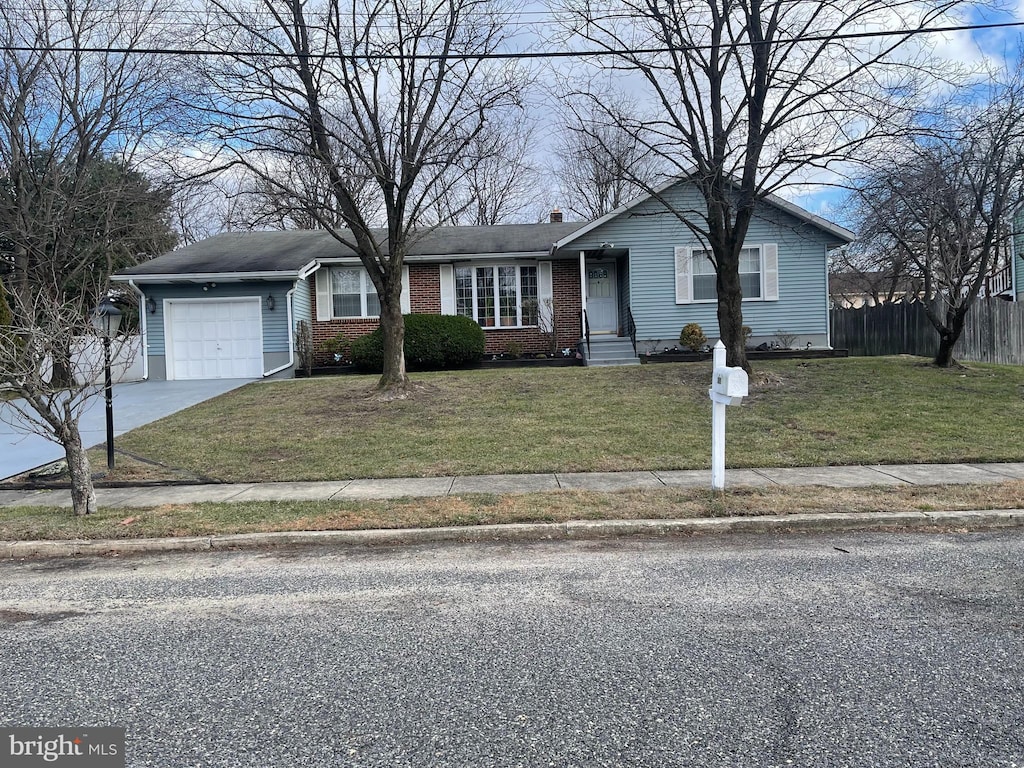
(143,329)
(828,303)
(291,338)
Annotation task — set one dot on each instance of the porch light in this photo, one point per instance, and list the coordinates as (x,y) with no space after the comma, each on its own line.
(107,318)
(150,305)
(270,302)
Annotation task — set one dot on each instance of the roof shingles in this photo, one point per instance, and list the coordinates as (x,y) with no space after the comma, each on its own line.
(289,252)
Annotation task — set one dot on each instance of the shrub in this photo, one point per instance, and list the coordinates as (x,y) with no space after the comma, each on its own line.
(339,348)
(431,342)
(786,339)
(692,336)
(304,345)
(747,331)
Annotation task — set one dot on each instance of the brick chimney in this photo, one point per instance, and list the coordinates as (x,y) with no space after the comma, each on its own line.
(556,216)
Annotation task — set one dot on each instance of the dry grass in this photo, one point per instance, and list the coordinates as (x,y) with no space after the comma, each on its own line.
(27,523)
(652,417)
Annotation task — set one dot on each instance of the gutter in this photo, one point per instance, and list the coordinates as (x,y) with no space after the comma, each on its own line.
(194,277)
(143,329)
(291,337)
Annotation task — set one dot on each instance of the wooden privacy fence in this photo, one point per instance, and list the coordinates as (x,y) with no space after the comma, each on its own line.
(994,332)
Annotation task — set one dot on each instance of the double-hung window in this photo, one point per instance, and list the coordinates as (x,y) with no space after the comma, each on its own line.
(500,296)
(353,293)
(704,287)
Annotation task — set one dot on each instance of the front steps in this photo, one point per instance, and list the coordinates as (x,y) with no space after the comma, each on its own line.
(610,350)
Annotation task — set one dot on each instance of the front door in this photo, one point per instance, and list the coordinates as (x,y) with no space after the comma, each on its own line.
(602,298)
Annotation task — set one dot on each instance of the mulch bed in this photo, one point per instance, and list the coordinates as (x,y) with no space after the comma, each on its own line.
(771,354)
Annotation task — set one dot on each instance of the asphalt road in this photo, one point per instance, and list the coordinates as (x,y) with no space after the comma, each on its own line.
(836,650)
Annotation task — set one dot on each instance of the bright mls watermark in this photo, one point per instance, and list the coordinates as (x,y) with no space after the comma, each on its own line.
(78,747)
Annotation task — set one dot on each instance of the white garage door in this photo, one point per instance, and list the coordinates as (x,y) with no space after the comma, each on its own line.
(214,339)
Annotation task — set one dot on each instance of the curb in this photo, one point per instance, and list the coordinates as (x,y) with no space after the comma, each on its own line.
(519,532)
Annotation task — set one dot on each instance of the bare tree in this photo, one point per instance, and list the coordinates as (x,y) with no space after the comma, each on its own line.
(380,95)
(600,165)
(944,205)
(76,103)
(43,406)
(751,96)
(497,179)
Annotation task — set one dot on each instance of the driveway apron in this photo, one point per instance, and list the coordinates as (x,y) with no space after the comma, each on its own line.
(135,404)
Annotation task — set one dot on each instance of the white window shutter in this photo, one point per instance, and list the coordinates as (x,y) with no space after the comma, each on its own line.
(447,289)
(406,296)
(770,265)
(545,294)
(324,305)
(684,275)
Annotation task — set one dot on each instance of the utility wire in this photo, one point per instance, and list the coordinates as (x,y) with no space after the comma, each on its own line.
(505,56)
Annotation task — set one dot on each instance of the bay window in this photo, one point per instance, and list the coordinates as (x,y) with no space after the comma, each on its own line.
(501,296)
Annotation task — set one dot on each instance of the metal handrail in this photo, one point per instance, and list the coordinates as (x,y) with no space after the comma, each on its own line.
(631,327)
(586,330)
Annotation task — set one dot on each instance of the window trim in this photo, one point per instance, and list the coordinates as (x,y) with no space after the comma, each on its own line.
(475,296)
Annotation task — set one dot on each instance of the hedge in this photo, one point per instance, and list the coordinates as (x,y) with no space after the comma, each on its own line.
(431,342)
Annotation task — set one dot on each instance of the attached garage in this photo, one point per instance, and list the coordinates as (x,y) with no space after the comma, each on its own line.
(214,338)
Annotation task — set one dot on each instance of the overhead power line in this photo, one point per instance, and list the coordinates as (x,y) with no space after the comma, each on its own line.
(508,55)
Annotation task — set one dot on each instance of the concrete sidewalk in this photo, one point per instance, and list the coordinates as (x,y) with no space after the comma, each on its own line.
(836,477)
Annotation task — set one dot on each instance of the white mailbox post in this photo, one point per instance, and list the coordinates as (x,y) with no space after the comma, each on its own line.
(728,387)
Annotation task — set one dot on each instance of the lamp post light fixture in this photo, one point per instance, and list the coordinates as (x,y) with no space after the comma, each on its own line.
(105,320)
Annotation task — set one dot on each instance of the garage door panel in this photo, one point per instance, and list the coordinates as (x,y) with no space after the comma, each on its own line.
(215,339)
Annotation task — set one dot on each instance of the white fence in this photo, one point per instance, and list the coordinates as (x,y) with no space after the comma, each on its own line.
(125,358)
(126,362)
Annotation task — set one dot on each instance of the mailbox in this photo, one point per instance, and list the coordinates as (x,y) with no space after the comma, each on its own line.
(728,387)
(730,384)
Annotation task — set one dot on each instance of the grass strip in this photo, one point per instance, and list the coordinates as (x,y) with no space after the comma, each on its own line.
(35,523)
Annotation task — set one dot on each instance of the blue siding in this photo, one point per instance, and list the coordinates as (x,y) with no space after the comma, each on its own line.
(275,323)
(302,304)
(1018,257)
(651,234)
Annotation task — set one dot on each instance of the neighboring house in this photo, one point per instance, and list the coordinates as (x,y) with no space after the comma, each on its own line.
(1016,271)
(852,290)
(228,306)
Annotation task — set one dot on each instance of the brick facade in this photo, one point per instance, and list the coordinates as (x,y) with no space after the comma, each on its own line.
(425,298)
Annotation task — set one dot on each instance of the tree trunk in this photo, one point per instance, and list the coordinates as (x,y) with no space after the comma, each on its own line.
(394,382)
(949,325)
(948,337)
(944,357)
(83,494)
(730,318)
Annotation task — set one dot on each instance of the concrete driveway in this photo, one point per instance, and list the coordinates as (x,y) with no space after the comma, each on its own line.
(135,404)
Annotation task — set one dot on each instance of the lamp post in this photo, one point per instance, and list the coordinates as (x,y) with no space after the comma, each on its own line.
(105,320)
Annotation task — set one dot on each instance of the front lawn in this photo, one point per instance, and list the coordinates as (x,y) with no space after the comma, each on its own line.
(800,413)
